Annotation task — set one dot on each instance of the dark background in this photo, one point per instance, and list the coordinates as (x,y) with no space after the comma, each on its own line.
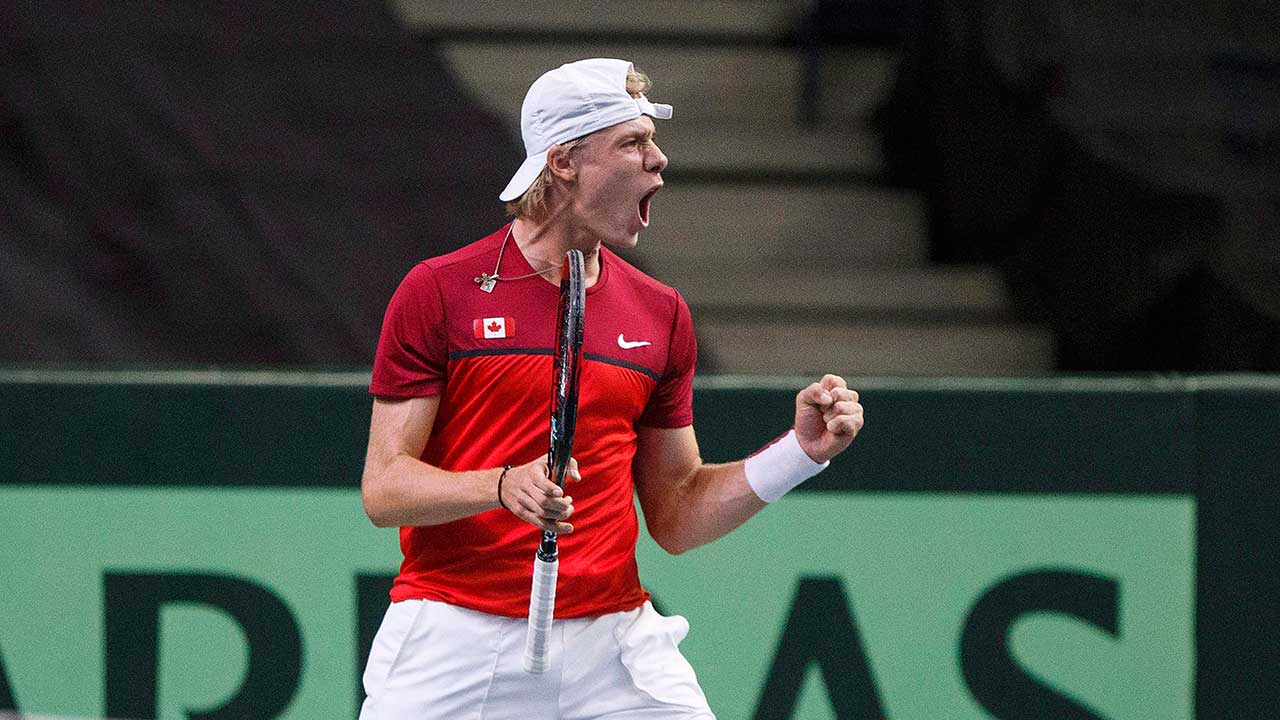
(226,183)
(246,183)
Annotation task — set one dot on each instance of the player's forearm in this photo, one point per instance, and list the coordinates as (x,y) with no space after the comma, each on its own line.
(710,503)
(406,491)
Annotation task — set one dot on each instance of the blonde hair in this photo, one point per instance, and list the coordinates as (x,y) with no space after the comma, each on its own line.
(533,203)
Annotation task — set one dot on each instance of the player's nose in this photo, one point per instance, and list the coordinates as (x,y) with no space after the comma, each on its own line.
(655,160)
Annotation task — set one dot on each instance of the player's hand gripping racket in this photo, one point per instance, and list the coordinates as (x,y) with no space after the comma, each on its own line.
(564,417)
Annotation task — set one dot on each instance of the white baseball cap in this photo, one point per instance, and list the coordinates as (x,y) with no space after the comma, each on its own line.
(574,100)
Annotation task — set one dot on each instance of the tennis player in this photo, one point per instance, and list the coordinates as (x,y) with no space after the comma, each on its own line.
(458,439)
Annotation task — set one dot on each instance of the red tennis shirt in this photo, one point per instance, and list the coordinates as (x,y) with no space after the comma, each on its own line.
(488,357)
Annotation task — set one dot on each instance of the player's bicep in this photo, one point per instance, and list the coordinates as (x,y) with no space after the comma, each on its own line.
(398,427)
(666,458)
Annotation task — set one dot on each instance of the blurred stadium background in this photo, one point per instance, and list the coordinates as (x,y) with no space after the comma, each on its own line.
(965,205)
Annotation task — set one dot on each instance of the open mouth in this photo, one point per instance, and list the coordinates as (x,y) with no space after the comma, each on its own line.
(645,203)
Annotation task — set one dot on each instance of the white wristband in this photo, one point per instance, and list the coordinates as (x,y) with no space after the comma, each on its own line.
(780,466)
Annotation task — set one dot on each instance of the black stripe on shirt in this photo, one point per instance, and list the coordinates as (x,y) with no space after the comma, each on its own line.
(458,354)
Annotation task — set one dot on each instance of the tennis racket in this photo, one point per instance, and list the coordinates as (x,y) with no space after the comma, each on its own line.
(564,418)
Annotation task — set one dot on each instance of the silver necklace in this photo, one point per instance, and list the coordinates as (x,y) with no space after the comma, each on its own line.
(487,281)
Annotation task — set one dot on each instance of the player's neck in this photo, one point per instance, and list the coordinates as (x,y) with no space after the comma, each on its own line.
(544,244)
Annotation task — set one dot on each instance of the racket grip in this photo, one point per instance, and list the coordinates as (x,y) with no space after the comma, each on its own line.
(542,606)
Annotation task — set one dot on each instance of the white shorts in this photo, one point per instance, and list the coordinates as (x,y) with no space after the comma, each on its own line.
(435,660)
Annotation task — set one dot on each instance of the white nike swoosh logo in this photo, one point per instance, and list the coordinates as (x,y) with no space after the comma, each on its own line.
(629,344)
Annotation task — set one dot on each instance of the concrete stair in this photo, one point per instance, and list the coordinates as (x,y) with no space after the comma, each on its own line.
(794,257)
(881,349)
(858,320)
(705,83)
(701,225)
(763,19)
(835,291)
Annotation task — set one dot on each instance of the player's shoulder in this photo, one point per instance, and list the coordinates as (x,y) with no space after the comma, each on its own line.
(645,287)
(466,255)
(458,266)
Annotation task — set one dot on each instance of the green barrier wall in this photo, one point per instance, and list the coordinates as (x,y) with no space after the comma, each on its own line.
(192,545)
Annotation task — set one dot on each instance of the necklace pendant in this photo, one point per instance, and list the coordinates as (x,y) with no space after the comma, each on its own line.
(487,281)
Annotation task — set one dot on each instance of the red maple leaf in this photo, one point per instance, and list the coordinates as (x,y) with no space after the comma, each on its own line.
(494,326)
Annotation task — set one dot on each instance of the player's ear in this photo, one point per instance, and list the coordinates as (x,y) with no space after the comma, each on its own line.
(561,163)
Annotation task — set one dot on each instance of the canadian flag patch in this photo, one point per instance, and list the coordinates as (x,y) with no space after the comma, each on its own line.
(492,328)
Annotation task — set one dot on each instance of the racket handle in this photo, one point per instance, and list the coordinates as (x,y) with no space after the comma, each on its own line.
(542,606)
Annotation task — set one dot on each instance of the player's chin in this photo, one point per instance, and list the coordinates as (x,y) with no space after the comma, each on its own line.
(624,241)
